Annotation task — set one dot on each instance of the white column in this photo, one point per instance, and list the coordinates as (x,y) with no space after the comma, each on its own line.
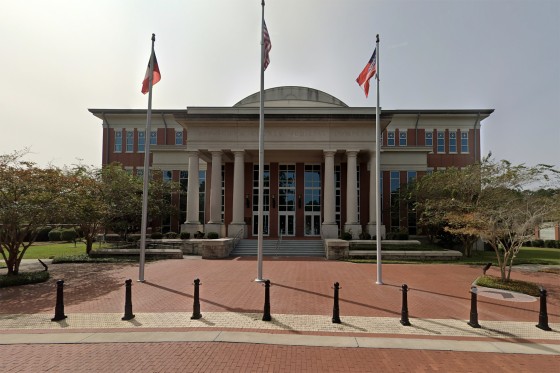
(192,189)
(351,189)
(238,187)
(372,189)
(329,201)
(216,188)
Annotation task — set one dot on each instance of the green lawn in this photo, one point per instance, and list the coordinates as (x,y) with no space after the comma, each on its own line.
(46,250)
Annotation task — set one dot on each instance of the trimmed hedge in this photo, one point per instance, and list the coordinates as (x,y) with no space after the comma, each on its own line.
(156,236)
(185,235)
(402,236)
(212,235)
(43,234)
(170,235)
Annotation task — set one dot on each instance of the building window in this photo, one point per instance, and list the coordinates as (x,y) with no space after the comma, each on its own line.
(141,141)
(464,142)
(312,200)
(452,141)
(201,194)
(395,184)
(183,184)
(129,141)
(223,191)
(411,210)
(440,141)
(140,173)
(429,139)
(118,141)
(167,175)
(337,193)
(402,138)
(178,137)
(266,199)
(153,138)
(391,138)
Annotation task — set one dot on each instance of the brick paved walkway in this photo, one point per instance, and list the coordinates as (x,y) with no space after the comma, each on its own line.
(301,304)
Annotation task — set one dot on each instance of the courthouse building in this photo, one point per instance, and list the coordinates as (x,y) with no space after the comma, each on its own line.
(319,156)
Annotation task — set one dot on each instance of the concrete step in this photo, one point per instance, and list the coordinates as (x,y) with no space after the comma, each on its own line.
(284,248)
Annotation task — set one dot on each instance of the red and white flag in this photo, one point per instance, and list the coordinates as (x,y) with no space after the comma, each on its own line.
(267,46)
(156,77)
(368,72)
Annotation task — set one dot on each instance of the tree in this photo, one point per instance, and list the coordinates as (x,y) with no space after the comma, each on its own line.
(30,197)
(87,207)
(446,201)
(496,201)
(511,206)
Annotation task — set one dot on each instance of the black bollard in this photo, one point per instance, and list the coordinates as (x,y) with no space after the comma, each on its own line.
(128,315)
(266,314)
(336,311)
(543,314)
(473,322)
(59,308)
(196,304)
(404,309)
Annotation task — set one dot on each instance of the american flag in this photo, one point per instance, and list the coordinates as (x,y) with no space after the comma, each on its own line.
(267,46)
(368,72)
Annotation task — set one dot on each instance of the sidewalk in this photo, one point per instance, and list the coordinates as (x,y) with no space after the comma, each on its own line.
(301,298)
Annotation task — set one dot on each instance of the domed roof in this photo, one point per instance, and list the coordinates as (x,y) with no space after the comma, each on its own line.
(288,96)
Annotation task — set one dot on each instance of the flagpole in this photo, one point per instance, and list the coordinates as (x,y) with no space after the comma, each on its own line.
(261,161)
(377,171)
(147,139)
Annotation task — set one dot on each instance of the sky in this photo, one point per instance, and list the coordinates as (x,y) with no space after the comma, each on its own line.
(62,57)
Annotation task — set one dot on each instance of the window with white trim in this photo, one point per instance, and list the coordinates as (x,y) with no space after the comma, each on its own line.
(118,141)
(129,141)
(141,141)
(402,138)
(390,138)
(441,142)
(464,142)
(452,141)
(429,138)
(178,137)
(153,138)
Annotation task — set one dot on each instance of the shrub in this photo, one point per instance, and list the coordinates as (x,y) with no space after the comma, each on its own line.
(55,234)
(199,234)
(133,237)
(68,235)
(43,234)
(213,235)
(346,236)
(397,236)
(538,243)
(156,236)
(527,243)
(550,243)
(23,278)
(170,235)
(112,237)
(365,236)
(185,235)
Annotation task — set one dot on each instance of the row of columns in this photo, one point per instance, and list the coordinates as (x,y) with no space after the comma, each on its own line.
(329,201)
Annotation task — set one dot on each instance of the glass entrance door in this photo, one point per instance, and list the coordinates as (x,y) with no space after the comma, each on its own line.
(312,200)
(287,200)
(266,201)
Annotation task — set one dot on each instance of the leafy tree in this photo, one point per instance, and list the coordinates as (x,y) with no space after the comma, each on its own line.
(496,201)
(446,201)
(87,207)
(30,198)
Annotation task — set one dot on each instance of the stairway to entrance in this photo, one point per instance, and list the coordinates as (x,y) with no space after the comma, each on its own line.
(285,248)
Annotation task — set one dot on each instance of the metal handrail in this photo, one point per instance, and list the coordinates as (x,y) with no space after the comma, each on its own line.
(236,239)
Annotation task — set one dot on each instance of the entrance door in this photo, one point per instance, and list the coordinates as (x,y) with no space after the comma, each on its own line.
(312,200)
(287,199)
(266,200)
